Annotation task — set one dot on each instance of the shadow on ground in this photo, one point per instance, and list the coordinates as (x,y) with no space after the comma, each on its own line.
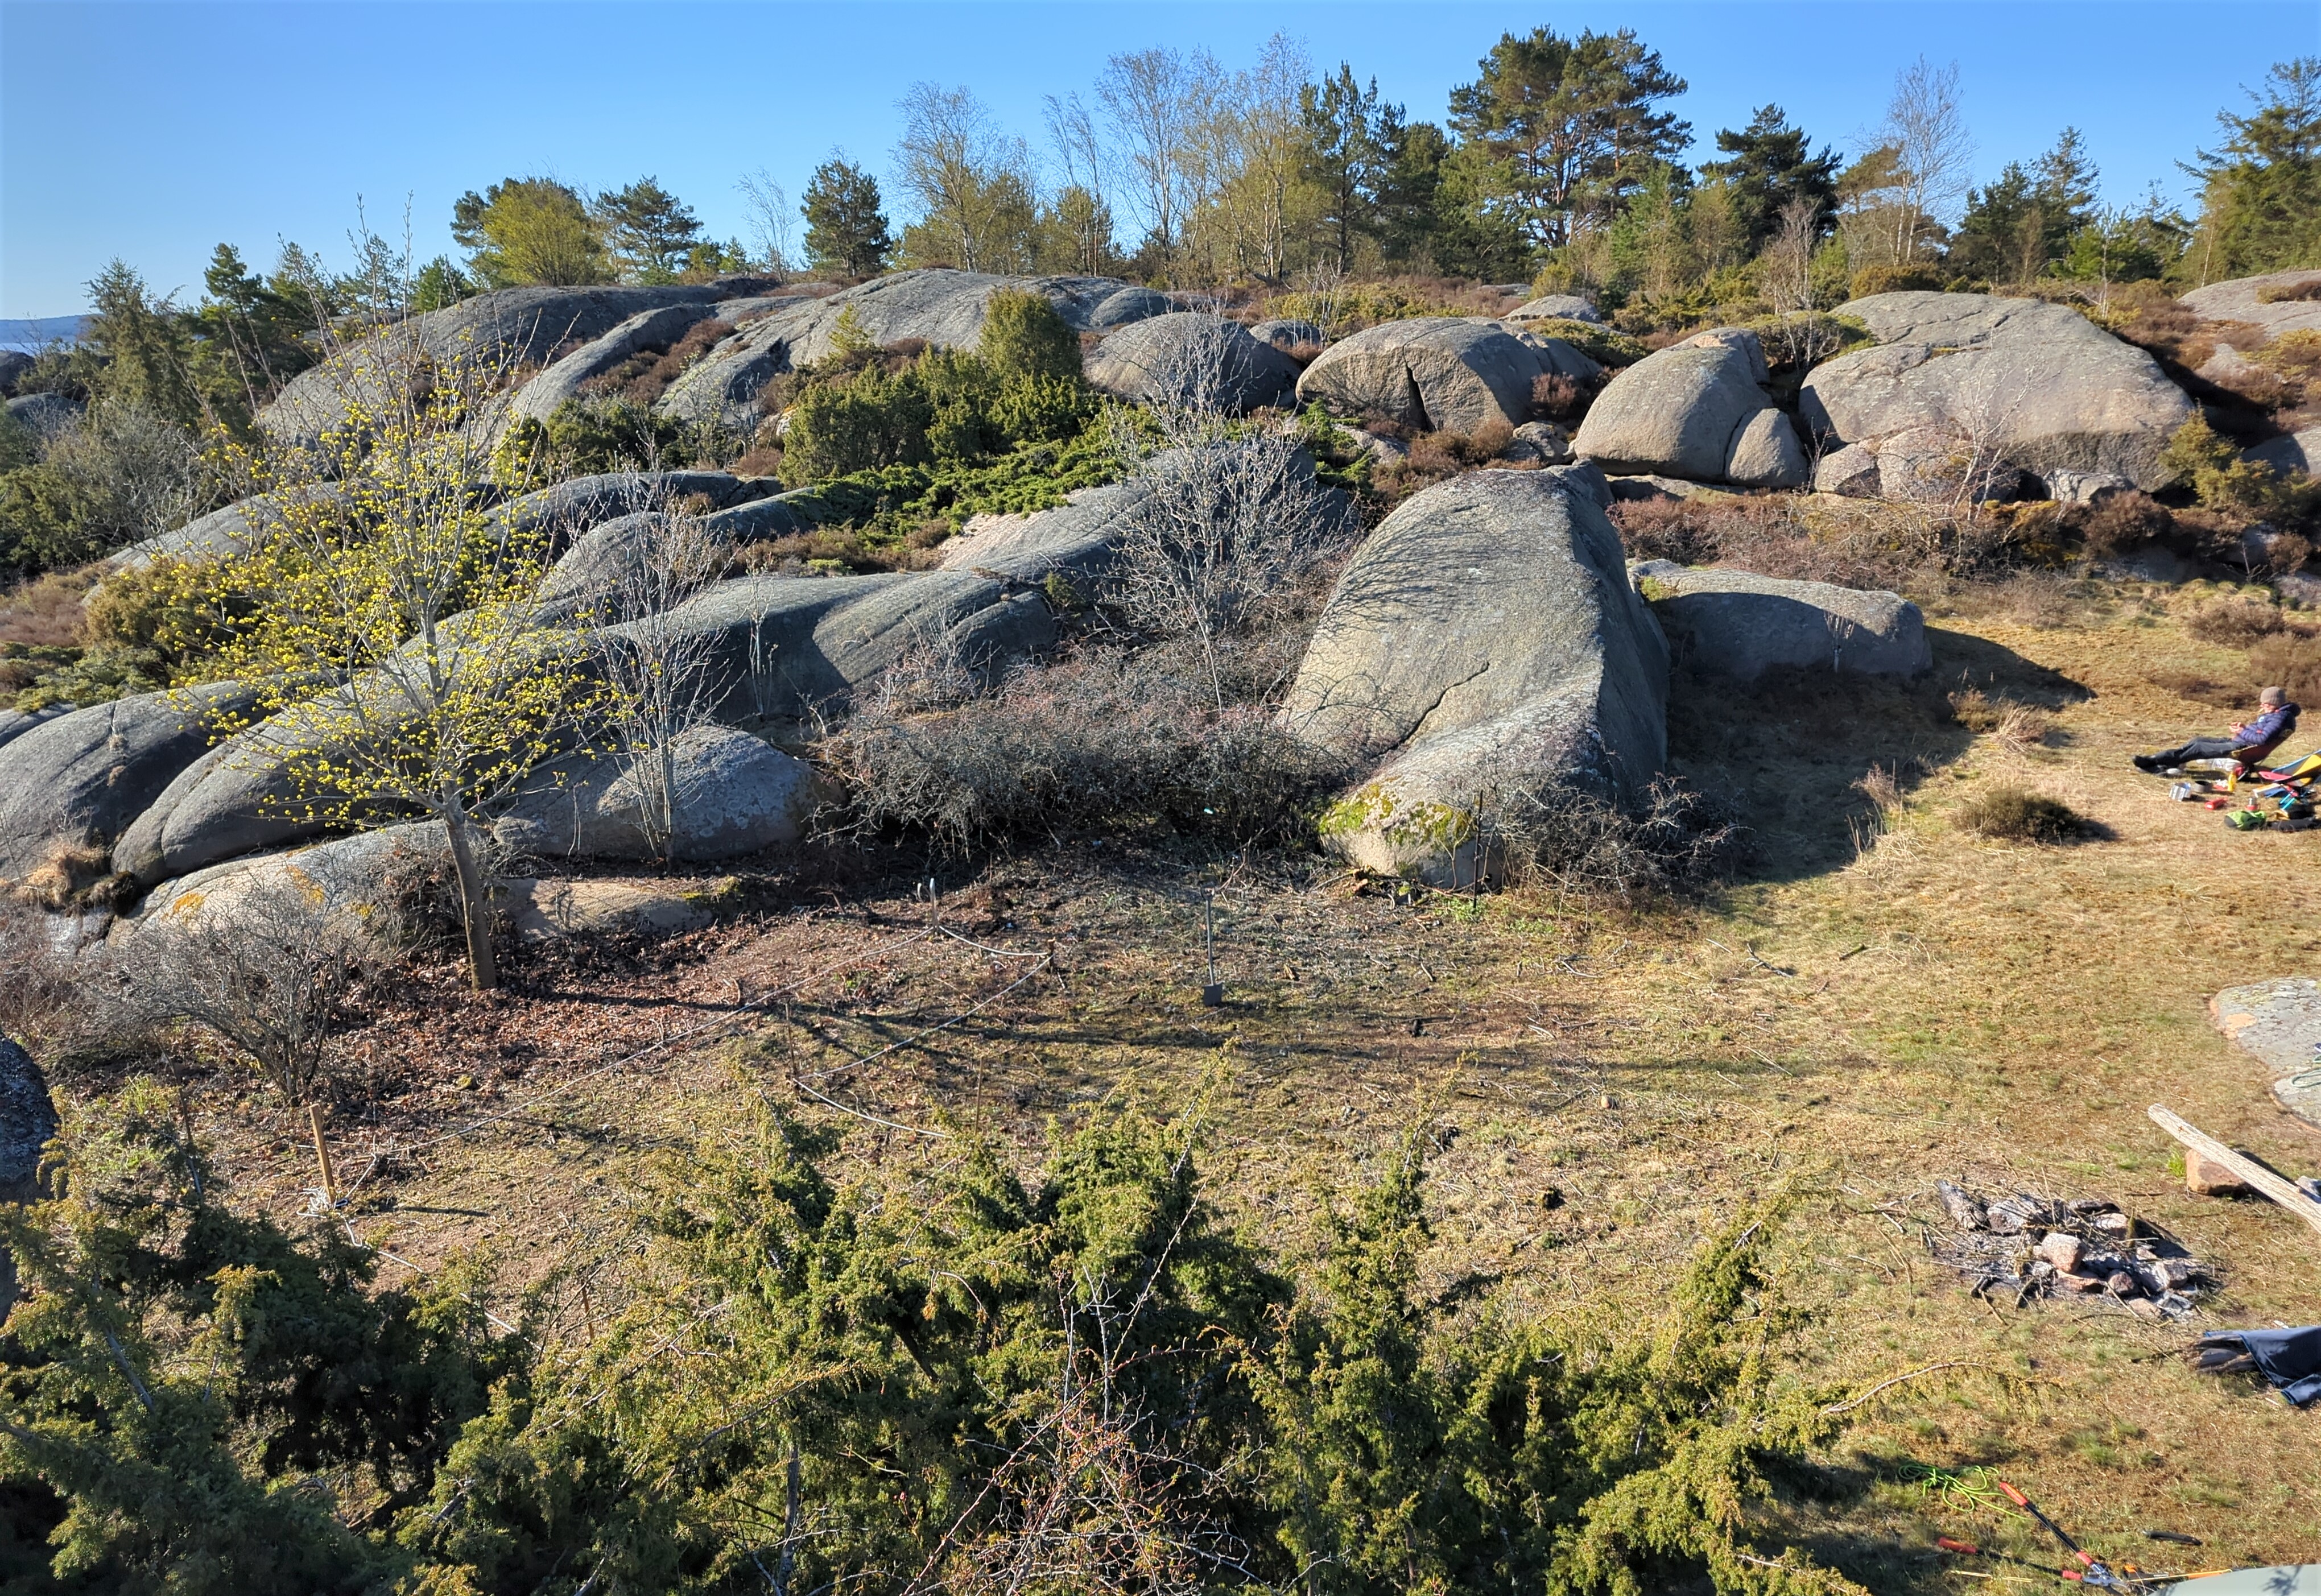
(1791,751)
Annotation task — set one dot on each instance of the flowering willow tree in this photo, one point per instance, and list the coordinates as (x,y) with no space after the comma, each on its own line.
(398,661)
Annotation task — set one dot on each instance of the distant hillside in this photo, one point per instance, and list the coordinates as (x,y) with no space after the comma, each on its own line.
(40,332)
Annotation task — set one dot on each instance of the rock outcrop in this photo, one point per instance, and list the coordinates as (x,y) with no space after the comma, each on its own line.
(2036,384)
(1188,357)
(1739,624)
(354,876)
(2250,299)
(1485,639)
(509,326)
(539,399)
(44,416)
(1075,540)
(1938,466)
(79,780)
(730,794)
(934,306)
(1698,410)
(1439,372)
(1289,334)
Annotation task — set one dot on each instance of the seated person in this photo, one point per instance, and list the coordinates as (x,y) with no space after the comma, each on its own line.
(2248,743)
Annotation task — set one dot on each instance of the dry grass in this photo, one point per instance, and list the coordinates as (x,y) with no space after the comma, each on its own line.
(1603,1086)
(2015,814)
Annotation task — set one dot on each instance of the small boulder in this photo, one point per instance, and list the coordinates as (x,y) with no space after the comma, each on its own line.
(1186,357)
(2205,1178)
(1290,335)
(552,911)
(733,796)
(1542,442)
(355,876)
(1739,624)
(1442,372)
(1485,640)
(1556,307)
(1851,472)
(2084,487)
(80,780)
(2291,453)
(1697,410)
(44,416)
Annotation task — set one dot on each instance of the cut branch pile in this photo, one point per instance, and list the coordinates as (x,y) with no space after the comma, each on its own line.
(2045,1246)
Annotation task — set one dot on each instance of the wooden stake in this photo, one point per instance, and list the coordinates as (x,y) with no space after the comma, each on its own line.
(322,1156)
(2278,1187)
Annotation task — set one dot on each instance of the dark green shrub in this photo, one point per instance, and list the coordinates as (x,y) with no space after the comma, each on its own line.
(870,420)
(1024,336)
(1894,279)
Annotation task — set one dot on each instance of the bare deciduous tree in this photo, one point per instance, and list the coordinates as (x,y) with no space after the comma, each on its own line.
(1153,100)
(1927,130)
(769,206)
(655,670)
(263,963)
(1234,519)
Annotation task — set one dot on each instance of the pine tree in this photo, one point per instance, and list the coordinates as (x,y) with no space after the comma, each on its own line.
(845,229)
(2261,194)
(651,233)
(1771,166)
(1344,156)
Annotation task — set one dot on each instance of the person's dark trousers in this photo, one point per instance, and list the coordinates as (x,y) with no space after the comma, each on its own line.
(2199,747)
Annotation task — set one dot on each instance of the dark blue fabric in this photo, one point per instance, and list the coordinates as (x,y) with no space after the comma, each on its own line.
(2268,731)
(2289,1359)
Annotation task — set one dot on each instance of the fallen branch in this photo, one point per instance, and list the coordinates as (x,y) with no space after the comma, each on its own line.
(1853,1402)
(2278,1187)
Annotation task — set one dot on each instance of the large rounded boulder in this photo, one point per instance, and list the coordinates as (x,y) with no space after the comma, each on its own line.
(1697,410)
(2037,386)
(2279,302)
(79,780)
(1486,643)
(1191,358)
(1442,372)
(728,793)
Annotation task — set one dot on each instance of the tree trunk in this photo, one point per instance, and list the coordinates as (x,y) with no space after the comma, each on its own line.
(475,906)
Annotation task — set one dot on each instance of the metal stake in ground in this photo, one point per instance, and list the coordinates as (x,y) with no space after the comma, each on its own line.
(1213,994)
(323,1156)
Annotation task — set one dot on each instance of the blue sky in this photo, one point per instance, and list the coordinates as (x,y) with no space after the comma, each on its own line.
(153,130)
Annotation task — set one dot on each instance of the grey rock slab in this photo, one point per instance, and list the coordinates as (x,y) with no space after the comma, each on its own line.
(1187,356)
(656,329)
(730,795)
(569,508)
(2035,383)
(1543,441)
(1739,624)
(1444,372)
(1681,411)
(81,779)
(1937,466)
(1560,307)
(1075,540)
(549,910)
(2294,451)
(511,325)
(223,533)
(2242,299)
(353,876)
(782,650)
(1485,641)
(2278,1023)
(936,306)
(14,723)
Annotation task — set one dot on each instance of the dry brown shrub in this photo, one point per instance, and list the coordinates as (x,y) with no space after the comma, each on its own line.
(2122,522)
(2285,294)
(2289,660)
(1437,457)
(2236,622)
(2198,688)
(1865,543)
(1558,397)
(2015,814)
(643,379)
(46,613)
(70,877)
(2017,727)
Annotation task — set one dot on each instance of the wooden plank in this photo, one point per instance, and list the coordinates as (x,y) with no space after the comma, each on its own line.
(2277,1187)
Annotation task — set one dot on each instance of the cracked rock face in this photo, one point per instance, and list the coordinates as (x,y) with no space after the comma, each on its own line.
(1439,372)
(1486,642)
(1697,410)
(2036,385)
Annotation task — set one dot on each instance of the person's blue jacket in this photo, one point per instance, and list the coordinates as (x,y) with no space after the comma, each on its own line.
(2268,731)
